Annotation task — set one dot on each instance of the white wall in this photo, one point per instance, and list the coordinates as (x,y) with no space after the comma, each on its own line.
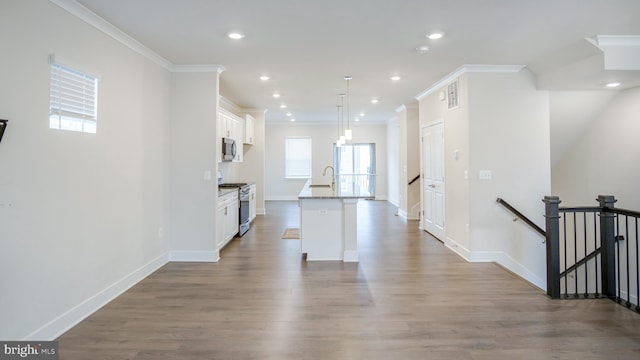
(501,125)
(323,137)
(193,199)
(393,162)
(79,213)
(509,135)
(604,161)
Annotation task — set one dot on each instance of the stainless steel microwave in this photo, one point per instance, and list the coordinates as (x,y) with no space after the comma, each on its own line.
(228,149)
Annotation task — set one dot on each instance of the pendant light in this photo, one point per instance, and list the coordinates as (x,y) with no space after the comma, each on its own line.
(342,138)
(338,143)
(348,134)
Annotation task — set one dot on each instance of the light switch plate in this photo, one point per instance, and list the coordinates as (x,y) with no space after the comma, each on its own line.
(485,174)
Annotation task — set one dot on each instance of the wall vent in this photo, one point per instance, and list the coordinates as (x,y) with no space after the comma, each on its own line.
(452,95)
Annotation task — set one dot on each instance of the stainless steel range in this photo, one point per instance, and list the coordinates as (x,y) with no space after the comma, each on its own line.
(243,190)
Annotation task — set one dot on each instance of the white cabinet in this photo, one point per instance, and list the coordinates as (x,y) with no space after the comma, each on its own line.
(231,126)
(252,202)
(228,219)
(248,129)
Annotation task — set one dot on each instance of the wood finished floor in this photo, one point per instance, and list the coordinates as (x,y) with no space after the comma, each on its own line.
(408,298)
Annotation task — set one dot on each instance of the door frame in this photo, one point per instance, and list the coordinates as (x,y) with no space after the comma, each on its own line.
(422,170)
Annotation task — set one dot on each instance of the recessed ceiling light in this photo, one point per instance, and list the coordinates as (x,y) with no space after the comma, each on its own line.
(361,114)
(374,101)
(435,36)
(289,114)
(276,95)
(235,35)
(395,78)
(613,84)
(264,78)
(357,119)
(292,119)
(283,106)
(422,49)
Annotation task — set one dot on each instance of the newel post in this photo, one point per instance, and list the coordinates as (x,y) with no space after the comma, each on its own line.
(608,243)
(552,216)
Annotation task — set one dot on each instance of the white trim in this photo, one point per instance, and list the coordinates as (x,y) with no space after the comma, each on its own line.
(468,68)
(616,40)
(83,13)
(198,68)
(75,315)
(305,123)
(402,214)
(93,19)
(401,108)
(193,256)
(350,256)
(261,211)
(499,257)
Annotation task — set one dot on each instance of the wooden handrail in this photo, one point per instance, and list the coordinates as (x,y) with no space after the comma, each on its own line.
(414,179)
(522,217)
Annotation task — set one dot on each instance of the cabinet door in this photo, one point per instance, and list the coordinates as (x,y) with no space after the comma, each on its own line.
(248,129)
(237,133)
(233,217)
(220,226)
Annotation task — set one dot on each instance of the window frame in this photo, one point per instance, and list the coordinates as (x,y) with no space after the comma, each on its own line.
(73,99)
(288,172)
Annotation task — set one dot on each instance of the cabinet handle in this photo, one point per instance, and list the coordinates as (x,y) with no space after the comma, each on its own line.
(225,210)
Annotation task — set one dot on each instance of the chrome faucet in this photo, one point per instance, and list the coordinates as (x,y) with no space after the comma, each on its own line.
(333,176)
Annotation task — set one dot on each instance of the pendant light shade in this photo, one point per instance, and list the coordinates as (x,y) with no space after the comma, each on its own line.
(348,134)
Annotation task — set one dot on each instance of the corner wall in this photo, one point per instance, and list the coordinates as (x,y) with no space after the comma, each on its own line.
(79,213)
(604,161)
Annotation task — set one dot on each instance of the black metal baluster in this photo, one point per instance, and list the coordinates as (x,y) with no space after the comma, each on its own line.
(575,254)
(637,253)
(566,289)
(595,247)
(618,293)
(586,264)
(626,234)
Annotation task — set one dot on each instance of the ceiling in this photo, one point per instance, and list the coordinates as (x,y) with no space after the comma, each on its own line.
(307,47)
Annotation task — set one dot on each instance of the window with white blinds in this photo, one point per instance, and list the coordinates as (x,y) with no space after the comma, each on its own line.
(298,157)
(73,100)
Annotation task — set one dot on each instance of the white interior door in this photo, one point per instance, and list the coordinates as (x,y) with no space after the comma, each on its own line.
(433,199)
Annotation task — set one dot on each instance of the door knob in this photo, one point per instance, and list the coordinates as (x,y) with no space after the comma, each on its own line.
(432,186)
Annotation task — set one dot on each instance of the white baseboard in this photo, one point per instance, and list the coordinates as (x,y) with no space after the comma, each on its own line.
(633,299)
(261,211)
(499,257)
(58,326)
(394,203)
(402,214)
(350,256)
(194,256)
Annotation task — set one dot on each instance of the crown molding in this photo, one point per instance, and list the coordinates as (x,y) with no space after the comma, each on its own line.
(616,40)
(468,68)
(401,108)
(81,12)
(197,68)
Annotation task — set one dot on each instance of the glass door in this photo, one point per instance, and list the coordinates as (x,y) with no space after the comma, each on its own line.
(355,164)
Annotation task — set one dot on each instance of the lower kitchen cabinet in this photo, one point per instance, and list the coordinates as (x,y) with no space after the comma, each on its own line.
(228,216)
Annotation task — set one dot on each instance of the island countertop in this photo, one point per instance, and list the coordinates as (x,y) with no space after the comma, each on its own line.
(350,191)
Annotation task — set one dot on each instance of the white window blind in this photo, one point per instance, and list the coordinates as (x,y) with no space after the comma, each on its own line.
(73,100)
(298,157)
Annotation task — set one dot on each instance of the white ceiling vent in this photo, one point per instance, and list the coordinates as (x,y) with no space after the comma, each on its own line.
(452,95)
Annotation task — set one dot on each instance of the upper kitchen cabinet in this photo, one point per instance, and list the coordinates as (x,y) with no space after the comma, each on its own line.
(231,126)
(248,129)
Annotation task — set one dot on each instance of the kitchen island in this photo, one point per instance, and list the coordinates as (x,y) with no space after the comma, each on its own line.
(328,221)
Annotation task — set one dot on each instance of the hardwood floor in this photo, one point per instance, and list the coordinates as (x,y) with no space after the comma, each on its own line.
(408,298)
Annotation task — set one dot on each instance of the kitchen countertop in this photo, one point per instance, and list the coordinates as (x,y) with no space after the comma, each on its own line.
(353,191)
(225,191)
